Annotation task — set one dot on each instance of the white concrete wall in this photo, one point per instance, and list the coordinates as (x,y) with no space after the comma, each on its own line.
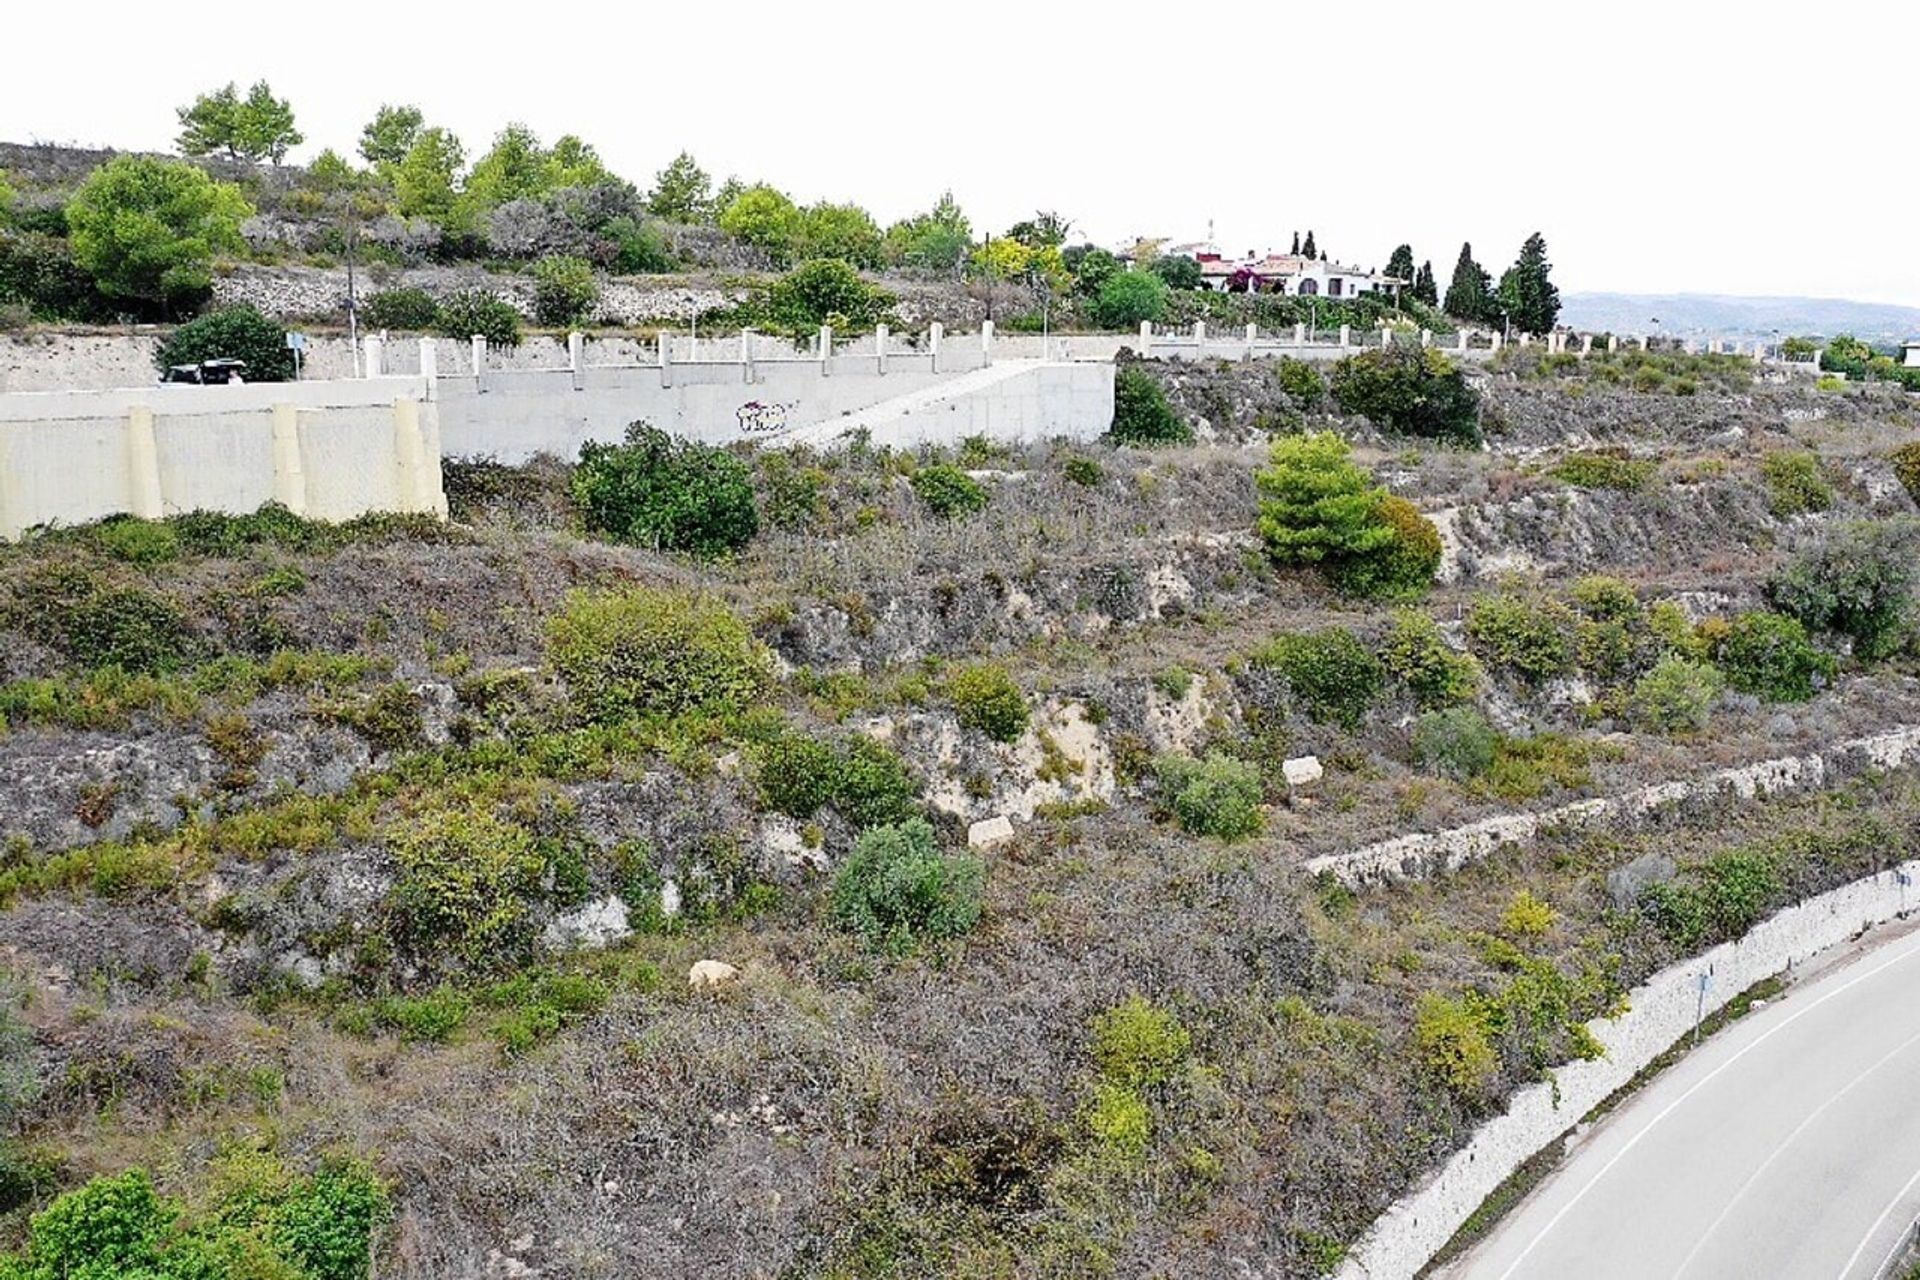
(330,451)
(1660,1012)
(1424,853)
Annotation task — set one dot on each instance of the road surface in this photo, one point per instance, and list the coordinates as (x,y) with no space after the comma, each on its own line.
(1786,1148)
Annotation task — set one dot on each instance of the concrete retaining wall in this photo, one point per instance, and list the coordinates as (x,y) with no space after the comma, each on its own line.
(1661,1011)
(1421,854)
(327,450)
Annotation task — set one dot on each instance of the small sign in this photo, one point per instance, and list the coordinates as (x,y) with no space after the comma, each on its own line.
(296,341)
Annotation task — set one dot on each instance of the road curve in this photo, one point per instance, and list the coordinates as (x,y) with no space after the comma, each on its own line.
(1785,1148)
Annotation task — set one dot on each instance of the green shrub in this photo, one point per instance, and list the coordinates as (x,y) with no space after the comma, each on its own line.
(1127,298)
(1141,414)
(235,333)
(1316,507)
(864,780)
(1138,1044)
(564,290)
(1718,900)
(325,1224)
(411,310)
(1676,695)
(1856,580)
(896,890)
(1417,656)
(95,623)
(1456,742)
(1770,656)
(1531,639)
(1118,1120)
(641,652)
(826,291)
(1452,1040)
(1605,469)
(1527,916)
(986,698)
(1083,471)
(1300,380)
(477,312)
(1403,567)
(948,491)
(793,498)
(1419,392)
(1906,468)
(132,540)
(1605,599)
(1524,768)
(147,230)
(430,1018)
(656,490)
(467,892)
(1795,484)
(1331,674)
(1218,796)
(639,248)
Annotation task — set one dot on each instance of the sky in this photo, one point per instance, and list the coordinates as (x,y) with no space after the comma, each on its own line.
(1685,146)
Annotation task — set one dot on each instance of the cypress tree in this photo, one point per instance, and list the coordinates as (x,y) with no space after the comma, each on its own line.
(1423,285)
(1296,244)
(1527,291)
(1470,295)
(1400,264)
(1308,247)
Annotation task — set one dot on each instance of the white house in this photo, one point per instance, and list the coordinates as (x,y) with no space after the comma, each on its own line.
(1291,274)
(1910,353)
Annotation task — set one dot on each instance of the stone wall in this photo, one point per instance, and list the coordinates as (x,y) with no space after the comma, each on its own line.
(1416,856)
(1660,1012)
(293,293)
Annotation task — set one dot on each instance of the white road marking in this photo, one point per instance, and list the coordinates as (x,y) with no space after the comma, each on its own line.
(1698,1085)
(1879,1222)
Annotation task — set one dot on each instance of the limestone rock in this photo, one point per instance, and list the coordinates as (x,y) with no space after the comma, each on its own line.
(990,832)
(1625,884)
(1302,771)
(706,974)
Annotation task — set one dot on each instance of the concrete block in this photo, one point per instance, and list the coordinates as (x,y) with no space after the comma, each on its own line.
(1302,771)
(990,833)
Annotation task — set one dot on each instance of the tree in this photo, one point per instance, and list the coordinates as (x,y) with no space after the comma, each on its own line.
(1141,414)
(330,174)
(515,169)
(1178,270)
(564,290)
(424,180)
(682,192)
(1044,230)
(826,291)
(1316,506)
(936,240)
(1308,248)
(843,231)
(1527,292)
(148,230)
(1424,287)
(1407,389)
(390,134)
(572,163)
(211,124)
(1090,268)
(1128,298)
(1295,251)
(236,333)
(1400,263)
(1469,296)
(251,128)
(764,217)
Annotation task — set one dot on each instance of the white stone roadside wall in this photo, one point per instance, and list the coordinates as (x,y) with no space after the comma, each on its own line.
(1425,853)
(1660,1012)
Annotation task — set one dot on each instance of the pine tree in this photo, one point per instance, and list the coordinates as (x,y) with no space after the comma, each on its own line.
(1308,248)
(1527,292)
(1400,263)
(681,191)
(1296,244)
(1470,295)
(1424,288)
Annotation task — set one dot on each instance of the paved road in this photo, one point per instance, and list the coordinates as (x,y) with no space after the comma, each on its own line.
(1787,1147)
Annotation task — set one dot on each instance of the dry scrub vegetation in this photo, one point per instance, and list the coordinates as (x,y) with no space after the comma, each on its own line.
(363,867)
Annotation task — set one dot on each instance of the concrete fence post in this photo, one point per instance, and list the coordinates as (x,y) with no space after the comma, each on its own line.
(372,361)
(1146,338)
(1299,335)
(1252,335)
(1465,335)
(577,358)
(1346,336)
(1646,343)
(880,349)
(289,476)
(1586,344)
(1613,343)
(935,332)
(1386,337)
(666,358)
(430,362)
(478,346)
(986,342)
(1199,339)
(823,349)
(1494,337)
(746,355)
(144,498)
(1426,337)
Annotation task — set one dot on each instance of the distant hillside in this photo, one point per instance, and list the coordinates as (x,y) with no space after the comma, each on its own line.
(1722,316)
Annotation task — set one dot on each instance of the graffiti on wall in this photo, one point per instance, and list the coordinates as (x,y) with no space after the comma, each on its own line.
(757,419)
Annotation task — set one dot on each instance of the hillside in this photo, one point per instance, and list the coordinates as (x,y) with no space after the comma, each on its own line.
(409,844)
(1754,319)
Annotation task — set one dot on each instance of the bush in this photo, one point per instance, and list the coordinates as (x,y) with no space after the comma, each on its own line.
(1129,298)
(986,698)
(826,291)
(1530,639)
(564,290)
(96,624)
(1419,392)
(1141,414)
(1719,899)
(1794,483)
(1906,468)
(1417,656)
(1452,1041)
(147,230)
(1218,796)
(637,651)
(1317,508)
(132,540)
(638,248)
(656,490)
(1403,568)
(1605,469)
(1856,580)
(236,333)
(1676,695)
(793,497)
(896,890)
(1457,743)
(1527,916)
(1118,1120)
(479,312)
(1331,674)
(1084,472)
(1770,656)
(864,780)
(1138,1045)
(948,491)
(468,890)
(412,310)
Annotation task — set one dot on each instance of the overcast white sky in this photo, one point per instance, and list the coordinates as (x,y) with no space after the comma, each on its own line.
(1696,146)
